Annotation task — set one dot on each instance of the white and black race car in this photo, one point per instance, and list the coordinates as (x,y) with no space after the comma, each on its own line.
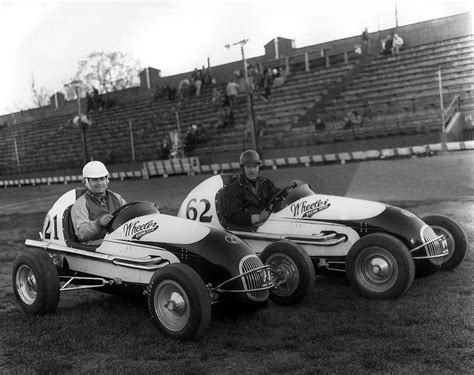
(378,246)
(182,267)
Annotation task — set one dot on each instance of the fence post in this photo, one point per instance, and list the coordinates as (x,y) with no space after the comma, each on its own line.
(306,62)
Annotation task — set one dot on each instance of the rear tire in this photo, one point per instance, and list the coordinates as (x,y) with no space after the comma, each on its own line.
(380,266)
(293,269)
(456,237)
(178,302)
(35,282)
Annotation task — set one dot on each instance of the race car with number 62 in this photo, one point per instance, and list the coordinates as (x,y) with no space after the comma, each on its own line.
(379,247)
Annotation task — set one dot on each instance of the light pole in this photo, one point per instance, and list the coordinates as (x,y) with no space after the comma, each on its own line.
(250,109)
(81,122)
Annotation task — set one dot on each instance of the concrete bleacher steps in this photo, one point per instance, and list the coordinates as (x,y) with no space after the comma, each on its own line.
(396,95)
(400,93)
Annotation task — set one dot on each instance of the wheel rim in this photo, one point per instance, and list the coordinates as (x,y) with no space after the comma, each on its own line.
(449,240)
(171,305)
(376,269)
(286,272)
(26,284)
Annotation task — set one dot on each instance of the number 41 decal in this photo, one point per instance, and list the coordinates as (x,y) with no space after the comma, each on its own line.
(192,212)
(47,231)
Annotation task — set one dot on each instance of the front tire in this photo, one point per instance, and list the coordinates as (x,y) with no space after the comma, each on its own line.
(380,266)
(35,282)
(294,272)
(456,238)
(178,302)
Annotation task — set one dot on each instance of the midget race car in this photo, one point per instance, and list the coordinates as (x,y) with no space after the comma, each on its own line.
(182,267)
(379,247)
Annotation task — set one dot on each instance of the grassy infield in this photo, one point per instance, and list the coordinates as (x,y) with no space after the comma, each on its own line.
(428,330)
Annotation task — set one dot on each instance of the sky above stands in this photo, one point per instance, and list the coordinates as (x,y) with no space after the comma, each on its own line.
(47,39)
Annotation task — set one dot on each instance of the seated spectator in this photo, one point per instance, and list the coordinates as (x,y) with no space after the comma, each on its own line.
(165,148)
(397,44)
(216,95)
(319,124)
(260,126)
(158,94)
(225,117)
(168,92)
(257,78)
(279,80)
(352,120)
(190,139)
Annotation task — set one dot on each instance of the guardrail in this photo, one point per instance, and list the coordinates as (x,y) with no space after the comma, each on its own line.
(190,166)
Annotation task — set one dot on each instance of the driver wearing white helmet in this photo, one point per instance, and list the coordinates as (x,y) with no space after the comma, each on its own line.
(91,212)
(247,195)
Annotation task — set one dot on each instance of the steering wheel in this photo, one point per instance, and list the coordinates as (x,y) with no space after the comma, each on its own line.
(279,195)
(122,207)
(108,227)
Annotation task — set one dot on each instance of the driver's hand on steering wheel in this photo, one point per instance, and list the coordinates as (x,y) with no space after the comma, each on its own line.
(105,219)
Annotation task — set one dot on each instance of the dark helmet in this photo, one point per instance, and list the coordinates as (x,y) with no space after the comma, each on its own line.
(249,157)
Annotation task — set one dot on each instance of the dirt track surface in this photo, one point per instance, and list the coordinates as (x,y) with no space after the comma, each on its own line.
(441,185)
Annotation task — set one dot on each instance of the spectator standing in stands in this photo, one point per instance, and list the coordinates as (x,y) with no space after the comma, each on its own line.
(183,87)
(267,84)
(232,90)
(397,43)
(197,81)
(365,37)
(387,45)
(94,102)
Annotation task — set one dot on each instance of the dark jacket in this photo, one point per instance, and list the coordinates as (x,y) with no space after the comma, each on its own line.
(240,199)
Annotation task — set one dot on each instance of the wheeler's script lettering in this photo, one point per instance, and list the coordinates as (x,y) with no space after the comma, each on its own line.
(306,209)
(137,230)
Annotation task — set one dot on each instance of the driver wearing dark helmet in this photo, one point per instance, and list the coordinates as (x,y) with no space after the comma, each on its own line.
(246,196)
(91,212)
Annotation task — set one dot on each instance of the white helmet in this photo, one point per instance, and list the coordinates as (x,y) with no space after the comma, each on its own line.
(94,169)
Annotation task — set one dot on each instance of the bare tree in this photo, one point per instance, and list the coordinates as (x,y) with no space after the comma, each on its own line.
(40,94)
(108,72)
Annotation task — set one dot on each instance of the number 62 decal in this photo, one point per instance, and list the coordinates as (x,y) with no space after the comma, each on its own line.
(193,210)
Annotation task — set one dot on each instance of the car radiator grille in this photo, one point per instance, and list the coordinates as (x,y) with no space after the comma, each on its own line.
(253,280)
(434,248)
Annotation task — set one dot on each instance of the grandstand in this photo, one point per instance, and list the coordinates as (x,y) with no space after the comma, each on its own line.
(398,97)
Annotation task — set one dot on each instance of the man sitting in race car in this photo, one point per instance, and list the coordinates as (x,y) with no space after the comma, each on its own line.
(91,212)
(246,196)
